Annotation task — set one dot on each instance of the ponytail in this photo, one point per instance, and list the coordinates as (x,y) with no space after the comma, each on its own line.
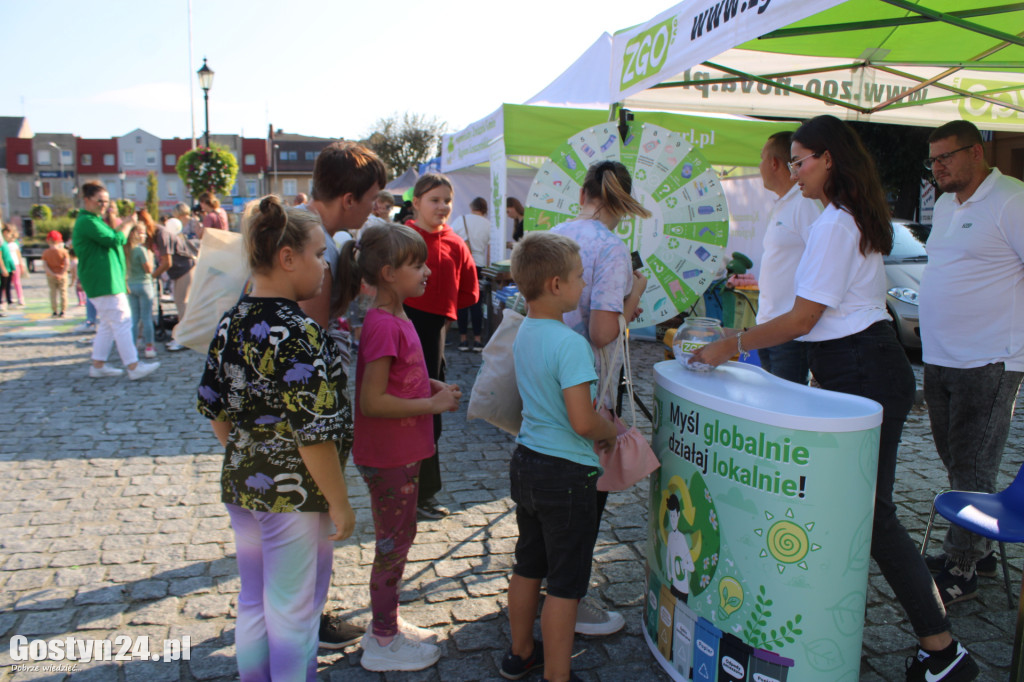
(609,183)
(378,246)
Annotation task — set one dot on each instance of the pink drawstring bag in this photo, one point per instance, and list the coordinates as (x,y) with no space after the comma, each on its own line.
(632,457)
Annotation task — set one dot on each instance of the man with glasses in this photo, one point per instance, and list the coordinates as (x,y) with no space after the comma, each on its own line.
(972,332)
(101,271)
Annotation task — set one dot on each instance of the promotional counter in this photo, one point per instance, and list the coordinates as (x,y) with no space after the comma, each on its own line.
(759,526)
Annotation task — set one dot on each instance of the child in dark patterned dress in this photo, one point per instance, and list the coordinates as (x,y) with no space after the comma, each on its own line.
(269,390)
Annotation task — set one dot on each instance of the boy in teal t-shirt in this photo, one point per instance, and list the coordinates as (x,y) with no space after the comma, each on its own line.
(554,469)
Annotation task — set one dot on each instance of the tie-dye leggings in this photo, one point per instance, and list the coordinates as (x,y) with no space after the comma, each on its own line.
(284,560)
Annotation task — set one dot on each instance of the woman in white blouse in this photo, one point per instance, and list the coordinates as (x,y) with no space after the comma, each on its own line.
(852,348)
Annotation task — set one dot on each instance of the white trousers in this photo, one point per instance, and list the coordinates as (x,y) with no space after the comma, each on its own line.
(114,325)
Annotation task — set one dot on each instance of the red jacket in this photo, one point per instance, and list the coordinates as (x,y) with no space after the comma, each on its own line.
(453,281)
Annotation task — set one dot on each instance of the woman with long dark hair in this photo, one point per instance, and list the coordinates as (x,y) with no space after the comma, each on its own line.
(852,348)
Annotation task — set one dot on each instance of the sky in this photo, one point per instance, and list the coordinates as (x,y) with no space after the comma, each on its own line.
(327,68)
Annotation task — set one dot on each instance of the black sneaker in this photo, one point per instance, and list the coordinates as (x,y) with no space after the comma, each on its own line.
(986,566)
(956,585)
(431,509)
(513,667)
(338,633)
(929,667)
(463,346)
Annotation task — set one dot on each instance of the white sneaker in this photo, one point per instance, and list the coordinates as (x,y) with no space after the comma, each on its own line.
(104,371)
(593,618)
(150,352)
(142,370)
(173,346)
(416,633)
(401,654)
(84,328)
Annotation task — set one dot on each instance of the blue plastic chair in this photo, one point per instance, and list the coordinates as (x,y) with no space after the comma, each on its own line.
(997,516)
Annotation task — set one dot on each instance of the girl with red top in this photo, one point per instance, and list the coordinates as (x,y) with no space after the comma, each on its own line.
(393,432)
(452,285)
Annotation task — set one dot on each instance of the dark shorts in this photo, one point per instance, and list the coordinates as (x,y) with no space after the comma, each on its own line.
(556,509)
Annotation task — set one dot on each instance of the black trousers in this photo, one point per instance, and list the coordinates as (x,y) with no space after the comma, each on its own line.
(431,329)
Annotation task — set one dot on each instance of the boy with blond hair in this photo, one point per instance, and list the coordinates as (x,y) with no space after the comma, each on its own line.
(554,469)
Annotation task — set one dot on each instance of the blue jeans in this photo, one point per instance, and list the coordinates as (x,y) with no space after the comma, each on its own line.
(970,412)
(556,511)
(787,361)
(872,364)
(90,312)
(140,298)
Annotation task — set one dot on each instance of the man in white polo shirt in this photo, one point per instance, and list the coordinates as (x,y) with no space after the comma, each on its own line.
(972,332)
(789,223)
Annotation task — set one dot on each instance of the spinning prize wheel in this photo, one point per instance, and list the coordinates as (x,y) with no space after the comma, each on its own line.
(682,244)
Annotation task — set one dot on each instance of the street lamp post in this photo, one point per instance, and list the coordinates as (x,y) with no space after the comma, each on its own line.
(260,177)
(122,175)
(39,191)
(60,159)
(206,82)
(273,185)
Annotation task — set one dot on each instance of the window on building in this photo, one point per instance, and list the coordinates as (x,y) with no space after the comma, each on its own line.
(289,187)
(129,157)
(129,188)
(151,157)
(22,159)
(170,159)
(289,155)
(108,159)
(24,189)
(234,189)
(172,188)
(46,189)
(311,155)
(66,157)
(43,157)
(86,159)
(250,160)
(251,188)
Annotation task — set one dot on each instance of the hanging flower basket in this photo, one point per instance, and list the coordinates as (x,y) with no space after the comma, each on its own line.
(208,170)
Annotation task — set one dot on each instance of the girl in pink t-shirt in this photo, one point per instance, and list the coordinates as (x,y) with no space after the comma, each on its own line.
(394,431)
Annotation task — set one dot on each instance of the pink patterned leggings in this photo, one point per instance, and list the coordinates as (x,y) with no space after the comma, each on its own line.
(393,494)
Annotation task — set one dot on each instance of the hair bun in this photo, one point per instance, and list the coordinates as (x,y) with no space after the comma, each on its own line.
(273,212)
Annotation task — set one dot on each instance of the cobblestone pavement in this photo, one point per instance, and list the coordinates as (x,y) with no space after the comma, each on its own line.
(111,524)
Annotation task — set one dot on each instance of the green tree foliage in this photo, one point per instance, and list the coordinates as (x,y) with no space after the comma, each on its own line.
(403,142)
(40,212)
(211,169)
(152,197)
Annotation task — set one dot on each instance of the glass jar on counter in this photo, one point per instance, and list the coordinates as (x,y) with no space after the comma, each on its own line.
(694,333)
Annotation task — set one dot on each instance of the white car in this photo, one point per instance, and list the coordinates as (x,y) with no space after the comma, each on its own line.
(903,270)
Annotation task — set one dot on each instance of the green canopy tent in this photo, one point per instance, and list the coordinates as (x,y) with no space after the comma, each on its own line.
(888,61)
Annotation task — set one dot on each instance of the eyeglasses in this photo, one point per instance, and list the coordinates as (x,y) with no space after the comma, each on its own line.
(943,158)
(794,166)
